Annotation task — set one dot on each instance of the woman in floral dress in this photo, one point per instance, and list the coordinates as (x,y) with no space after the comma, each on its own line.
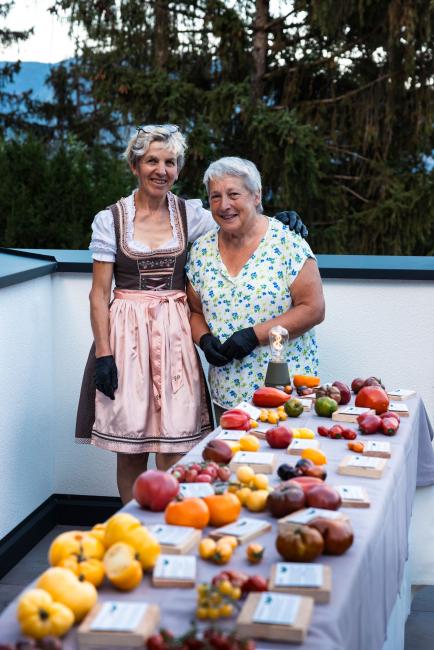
(245,278)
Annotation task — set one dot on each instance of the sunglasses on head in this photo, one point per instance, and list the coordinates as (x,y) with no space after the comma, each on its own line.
(150,128)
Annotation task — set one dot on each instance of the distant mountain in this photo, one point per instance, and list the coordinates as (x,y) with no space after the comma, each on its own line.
(31,77)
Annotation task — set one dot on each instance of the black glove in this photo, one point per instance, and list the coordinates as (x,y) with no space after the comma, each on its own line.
(106,375)
(292,220)
(240,344)
(213,350)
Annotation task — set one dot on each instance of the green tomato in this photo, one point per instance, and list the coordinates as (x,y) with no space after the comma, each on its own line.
(293,408)
(325,406)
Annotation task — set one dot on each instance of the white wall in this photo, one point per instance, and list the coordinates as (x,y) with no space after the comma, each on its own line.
(382,328)
(371,327)
(79,469)
(26,396)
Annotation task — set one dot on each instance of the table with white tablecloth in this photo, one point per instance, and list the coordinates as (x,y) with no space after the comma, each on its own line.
(369,582)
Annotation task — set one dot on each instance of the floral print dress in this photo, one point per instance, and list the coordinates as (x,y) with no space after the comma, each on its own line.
(260,291)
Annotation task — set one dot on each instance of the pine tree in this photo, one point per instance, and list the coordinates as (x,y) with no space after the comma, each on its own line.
(333,100)
(10,116)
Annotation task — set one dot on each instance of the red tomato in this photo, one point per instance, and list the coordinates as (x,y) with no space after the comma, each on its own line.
(373,397)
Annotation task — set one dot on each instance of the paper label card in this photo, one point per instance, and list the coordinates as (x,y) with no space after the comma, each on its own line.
(374,445)
(398,406)
(353,410)
(351,492)
(116,616)
(364,461)
(252,411)
(195,489)
(175,567)
(171,535)
(253,458)
(244,526)
(302,443)
(299,574)
(304,516)
(230,434)
(277,609)
(402,393)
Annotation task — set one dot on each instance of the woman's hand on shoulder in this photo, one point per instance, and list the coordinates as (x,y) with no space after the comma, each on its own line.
(293,220)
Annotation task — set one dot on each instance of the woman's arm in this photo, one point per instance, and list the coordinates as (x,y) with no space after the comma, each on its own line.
(197,320)
(308,307)
(99,306)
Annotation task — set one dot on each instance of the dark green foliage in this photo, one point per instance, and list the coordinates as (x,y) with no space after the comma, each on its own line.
(50,195)
(332,99)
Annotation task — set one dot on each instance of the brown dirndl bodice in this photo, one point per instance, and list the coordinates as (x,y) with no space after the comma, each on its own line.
(157,270)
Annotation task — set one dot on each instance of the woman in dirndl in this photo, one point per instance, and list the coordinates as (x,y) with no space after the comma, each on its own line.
(151,393)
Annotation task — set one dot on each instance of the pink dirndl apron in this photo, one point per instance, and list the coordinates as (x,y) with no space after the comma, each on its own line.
(157,404)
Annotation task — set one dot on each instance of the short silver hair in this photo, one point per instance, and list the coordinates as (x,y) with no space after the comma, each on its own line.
(234,166)
(140,142)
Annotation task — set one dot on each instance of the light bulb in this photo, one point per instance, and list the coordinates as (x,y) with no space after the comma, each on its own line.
(278,337)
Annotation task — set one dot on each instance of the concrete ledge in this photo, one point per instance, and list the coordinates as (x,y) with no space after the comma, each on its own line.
(20,265)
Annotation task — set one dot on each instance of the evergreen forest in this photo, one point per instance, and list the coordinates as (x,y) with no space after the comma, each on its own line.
(332,99)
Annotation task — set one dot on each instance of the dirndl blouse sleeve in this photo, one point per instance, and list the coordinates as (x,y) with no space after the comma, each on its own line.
(103,242)
(199,220)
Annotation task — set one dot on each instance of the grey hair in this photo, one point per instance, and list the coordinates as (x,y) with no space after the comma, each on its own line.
(234,166)
(141,141)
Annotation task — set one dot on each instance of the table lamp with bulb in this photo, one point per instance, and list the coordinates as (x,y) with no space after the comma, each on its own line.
(277,371)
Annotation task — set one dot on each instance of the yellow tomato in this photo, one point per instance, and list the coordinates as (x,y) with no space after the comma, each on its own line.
(91,570)
(249,443)
(226,610)
(260,482)
(245,474)
(231,540)
(66,588)
(253,424)
(39,616)
(315,455)
(306,433)
(206,547)
(234,445)
(222,553)
(122,568)
(242,494)
(256,500)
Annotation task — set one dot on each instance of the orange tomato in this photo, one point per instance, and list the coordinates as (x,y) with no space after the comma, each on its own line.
(192,512)
(254,553)
(223,508)
(358,447)
(306,380)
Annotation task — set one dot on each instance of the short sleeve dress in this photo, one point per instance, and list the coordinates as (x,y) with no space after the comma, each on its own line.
(260,291)
(161,404)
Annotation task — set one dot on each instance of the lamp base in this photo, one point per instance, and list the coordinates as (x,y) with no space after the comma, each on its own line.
(277,374)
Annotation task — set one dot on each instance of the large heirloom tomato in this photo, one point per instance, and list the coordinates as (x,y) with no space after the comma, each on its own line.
(373,397)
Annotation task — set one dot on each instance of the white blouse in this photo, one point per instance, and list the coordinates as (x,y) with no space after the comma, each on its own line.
(103,242)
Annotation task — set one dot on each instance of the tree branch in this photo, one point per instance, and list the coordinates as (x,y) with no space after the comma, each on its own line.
(350,93)
(358,196)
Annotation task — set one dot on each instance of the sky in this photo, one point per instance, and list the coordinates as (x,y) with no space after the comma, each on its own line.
(50,42)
